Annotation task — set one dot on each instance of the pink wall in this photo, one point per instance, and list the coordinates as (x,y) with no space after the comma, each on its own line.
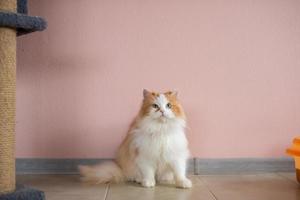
(235,63)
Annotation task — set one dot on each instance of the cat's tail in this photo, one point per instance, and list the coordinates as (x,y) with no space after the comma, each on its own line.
(102,173)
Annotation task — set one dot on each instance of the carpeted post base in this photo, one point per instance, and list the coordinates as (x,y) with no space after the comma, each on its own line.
(23,193)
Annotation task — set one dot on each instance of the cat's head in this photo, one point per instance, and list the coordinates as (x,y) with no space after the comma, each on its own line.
(162,106)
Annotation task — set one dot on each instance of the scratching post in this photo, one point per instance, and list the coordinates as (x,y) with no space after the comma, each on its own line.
(12,23)
(7,102)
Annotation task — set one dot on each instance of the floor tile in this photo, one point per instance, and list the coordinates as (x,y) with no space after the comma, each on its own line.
(211,187)
(58,196)
(129,191)
(288,175)
(252,187)
(58,186)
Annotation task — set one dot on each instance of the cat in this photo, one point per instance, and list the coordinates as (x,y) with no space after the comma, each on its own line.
(154,150)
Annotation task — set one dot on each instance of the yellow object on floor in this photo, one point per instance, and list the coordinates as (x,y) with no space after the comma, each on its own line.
(295,152)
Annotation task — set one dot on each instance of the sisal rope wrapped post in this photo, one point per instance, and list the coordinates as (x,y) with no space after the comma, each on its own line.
(12,24)
(7,102)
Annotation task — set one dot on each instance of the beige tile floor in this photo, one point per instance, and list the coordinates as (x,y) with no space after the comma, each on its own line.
(269,186)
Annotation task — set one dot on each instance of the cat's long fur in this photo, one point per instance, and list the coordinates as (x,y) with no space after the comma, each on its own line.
(154,150)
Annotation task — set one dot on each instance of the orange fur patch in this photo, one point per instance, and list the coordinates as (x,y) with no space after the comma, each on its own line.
(147,103)
(176,106)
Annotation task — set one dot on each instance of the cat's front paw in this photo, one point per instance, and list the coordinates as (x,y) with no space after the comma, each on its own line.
(184,183)
(148,183)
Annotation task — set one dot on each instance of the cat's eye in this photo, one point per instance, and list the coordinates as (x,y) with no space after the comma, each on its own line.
(169,105)
(155,106)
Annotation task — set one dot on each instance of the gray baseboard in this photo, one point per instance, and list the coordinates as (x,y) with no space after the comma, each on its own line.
(52,166)
(243,165)
(64,166)
(198,166)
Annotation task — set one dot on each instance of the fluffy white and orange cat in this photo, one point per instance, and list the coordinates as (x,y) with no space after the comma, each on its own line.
(154,150)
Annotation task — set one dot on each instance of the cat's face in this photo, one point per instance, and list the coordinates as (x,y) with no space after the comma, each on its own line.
(162,106)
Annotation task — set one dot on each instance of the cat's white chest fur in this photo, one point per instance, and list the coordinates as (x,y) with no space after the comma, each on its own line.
(161,142)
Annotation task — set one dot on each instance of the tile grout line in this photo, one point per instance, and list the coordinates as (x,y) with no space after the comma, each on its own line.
(208,188)
(286,178)
(106,191)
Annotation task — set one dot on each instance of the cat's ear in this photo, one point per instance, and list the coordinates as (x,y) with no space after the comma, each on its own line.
(172,93)
(146,93)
